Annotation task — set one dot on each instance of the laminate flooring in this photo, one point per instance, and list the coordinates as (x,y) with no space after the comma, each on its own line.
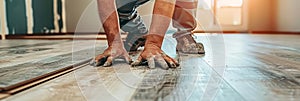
(235,67)
(24,61)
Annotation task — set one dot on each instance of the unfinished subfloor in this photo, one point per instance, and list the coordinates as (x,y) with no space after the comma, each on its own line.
(235,67)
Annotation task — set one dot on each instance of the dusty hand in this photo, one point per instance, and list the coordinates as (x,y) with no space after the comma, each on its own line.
(153,54)
(106,58)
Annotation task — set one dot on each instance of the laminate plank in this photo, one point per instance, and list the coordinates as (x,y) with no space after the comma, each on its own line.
(87,83)
(4,95)
(20,43)
(64,56)
(267,69)
(33,52)
(194,80)
(10,76)
(63,88)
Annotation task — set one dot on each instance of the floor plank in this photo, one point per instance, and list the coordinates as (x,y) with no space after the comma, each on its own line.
(194,80)
(60,55)
(263,67)
(235,67)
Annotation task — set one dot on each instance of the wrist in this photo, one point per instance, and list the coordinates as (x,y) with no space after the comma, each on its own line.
(154,40)
(114,40)
(116,44)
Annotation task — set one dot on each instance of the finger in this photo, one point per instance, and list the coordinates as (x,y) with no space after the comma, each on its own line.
(161,61)
(100,56)
(172,62)
(108,62)
(93,63)
(137,62)
(127,58)
(175,61)
(151,62)
(99,60)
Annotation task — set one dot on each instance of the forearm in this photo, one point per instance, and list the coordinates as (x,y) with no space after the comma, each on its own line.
(109,17)
(162,15)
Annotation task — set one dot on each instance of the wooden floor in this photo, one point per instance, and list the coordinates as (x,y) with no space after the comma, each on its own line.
(234,68)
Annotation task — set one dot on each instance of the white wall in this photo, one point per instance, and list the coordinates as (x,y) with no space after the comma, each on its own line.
(288,16)
(260,15)
(74,10)
(82,15)
(263,15)
(274,15)
(0,24)
(2,18)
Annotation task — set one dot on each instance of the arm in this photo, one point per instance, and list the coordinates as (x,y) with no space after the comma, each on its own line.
(162,15)
(109,17)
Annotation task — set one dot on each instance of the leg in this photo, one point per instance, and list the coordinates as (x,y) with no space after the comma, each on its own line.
(185,22)
(132,23)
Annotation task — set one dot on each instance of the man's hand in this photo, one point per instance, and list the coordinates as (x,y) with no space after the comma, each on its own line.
(109,17)
(106,58)
(153,54)
(162,15)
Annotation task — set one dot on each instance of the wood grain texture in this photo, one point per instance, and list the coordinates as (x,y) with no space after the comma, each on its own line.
(193,82)
(263,67)
(254,68)
(40,60)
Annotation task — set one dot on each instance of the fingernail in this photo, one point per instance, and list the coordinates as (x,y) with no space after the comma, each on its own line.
(107,64)
(91,63)
(165,67)
(94,63)
(173,65)
(151,65)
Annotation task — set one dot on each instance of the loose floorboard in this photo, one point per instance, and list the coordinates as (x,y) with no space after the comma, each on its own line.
(28,61)
(234,68)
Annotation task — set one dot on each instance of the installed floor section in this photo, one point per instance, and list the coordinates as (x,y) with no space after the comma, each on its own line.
(234,68)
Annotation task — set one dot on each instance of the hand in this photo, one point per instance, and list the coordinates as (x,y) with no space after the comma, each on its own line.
(153,54)
(106,58)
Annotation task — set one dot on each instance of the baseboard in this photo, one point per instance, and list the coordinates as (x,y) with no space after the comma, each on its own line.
(224,32)
(273,32)
(70,35)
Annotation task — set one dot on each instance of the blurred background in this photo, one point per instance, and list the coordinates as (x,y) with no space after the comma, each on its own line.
(233,16)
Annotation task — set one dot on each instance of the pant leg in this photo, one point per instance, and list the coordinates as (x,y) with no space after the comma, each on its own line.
(127,10)
(184,17)
(131,22)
